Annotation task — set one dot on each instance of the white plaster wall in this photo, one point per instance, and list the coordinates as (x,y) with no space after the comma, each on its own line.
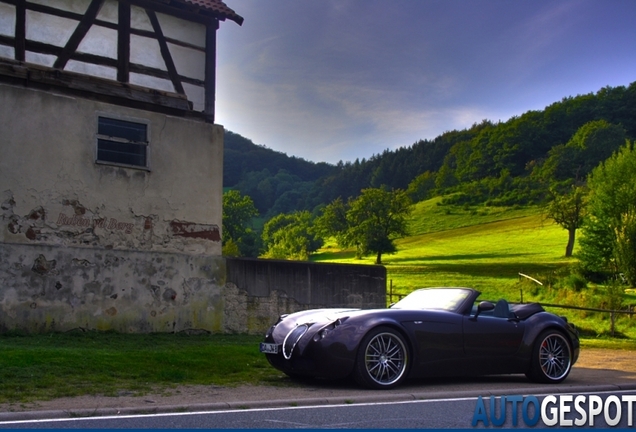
(101,41)
(182,30)
(7,19)
(48,169)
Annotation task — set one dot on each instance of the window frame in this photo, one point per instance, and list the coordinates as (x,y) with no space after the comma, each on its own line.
(115,139)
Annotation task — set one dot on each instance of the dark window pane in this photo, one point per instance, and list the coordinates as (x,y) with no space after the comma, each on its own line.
(121,153)
(122,129)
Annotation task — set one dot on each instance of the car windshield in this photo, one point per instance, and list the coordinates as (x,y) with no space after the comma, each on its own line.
(434,298)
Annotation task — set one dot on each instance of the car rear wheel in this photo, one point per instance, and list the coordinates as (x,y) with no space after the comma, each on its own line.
(382,360)
(551,358)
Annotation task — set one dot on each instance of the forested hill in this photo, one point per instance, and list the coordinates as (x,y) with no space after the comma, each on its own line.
(485,161)
(242,156)
(277,183)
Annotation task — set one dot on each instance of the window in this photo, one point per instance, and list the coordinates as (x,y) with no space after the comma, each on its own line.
(122,142)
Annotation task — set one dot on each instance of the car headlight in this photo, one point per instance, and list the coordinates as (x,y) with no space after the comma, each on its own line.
(323,332)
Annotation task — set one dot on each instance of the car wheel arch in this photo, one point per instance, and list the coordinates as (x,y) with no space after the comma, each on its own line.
(534,329)
(538,373)
(362,374)
(394,326)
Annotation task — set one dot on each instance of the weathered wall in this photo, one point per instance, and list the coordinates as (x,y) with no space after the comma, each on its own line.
(102,246)
(50,288)
(52,191)
(258,291)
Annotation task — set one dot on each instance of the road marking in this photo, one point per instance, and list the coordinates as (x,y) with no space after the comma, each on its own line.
(248,410)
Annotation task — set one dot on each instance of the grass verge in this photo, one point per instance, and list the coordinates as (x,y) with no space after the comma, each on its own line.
(41,367)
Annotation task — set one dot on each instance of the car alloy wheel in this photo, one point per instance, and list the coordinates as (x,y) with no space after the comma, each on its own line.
(382,360)
(552,358)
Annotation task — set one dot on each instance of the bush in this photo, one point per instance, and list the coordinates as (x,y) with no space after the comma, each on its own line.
(576,282)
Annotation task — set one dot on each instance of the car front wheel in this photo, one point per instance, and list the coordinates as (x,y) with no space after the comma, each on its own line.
(382,360)
(551,358)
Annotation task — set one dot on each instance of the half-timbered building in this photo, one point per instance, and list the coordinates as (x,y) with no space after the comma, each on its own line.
(110,165)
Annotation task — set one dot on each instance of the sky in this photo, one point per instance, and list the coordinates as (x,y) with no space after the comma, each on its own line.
(340,80)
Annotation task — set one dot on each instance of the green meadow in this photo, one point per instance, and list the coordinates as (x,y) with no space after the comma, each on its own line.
(487,248)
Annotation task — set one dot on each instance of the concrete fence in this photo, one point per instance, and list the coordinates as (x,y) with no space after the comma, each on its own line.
(258,291)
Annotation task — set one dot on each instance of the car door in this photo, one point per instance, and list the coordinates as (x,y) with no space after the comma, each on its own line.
(438,338)
(492,336)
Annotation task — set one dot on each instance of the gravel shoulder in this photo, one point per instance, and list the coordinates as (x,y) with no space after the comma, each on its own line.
(594,367)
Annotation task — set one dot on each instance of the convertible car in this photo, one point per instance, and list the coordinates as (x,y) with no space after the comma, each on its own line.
(430,332)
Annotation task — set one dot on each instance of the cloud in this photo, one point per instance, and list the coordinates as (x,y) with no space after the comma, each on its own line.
(345,79)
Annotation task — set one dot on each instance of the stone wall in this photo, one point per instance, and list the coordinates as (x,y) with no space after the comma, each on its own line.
(258,291)
(47,288)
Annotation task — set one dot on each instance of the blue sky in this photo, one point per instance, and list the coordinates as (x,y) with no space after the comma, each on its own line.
(331,80)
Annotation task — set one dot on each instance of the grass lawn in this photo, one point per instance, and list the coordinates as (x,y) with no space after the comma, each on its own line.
(486,248)
(56,365)
(470,250)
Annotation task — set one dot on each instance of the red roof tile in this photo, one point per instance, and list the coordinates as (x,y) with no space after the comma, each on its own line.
(216,6)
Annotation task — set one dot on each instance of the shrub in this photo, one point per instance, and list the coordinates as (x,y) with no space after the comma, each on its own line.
(576,282)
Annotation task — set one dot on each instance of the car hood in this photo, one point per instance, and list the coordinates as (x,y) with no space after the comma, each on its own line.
(321,315)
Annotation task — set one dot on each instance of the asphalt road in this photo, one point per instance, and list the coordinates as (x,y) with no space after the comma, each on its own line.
(438,413)
(451,400)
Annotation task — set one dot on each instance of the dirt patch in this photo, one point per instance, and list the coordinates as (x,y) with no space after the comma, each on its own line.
(597,358)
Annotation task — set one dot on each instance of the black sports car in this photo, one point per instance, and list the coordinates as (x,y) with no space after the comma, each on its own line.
(430,332)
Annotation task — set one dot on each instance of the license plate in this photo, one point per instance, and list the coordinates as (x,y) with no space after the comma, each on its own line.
(269,348)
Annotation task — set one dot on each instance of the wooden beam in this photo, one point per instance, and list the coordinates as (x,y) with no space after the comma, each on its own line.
(79,33)
(42,48)
(20,31)
(43,77)
(165,52)
(210,71)
(123,43)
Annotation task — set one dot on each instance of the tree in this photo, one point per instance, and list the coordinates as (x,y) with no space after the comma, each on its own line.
(371,222)
(290,236)
(333,221)
(238,211)
(592,143)
(609,233)
(421,187)
(568,210)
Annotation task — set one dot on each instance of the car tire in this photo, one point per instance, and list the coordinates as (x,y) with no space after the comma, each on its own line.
(383,359)
(551,358)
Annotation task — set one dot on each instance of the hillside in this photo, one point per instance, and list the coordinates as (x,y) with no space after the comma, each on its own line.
(487,252)
(499,163)
(241,157)
(277,183)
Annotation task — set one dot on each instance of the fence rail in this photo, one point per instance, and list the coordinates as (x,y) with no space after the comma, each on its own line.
(631,309)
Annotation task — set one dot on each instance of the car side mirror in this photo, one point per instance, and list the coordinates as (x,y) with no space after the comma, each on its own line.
(483,307)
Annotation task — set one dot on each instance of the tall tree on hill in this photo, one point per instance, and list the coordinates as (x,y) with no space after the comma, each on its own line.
(609,234)
(371,222)
(568,210)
